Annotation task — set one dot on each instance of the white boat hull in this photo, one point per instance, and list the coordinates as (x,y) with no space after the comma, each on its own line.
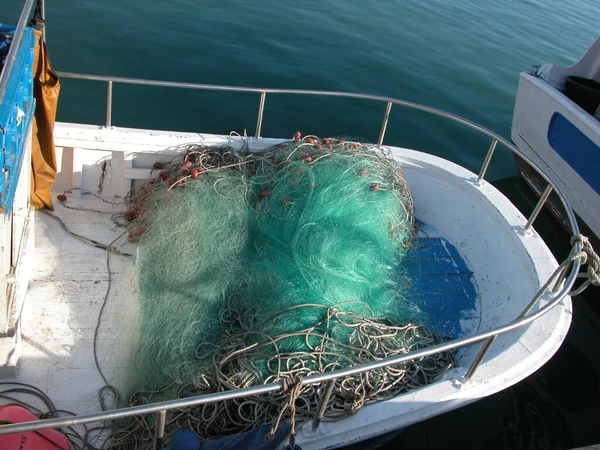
(572,167)
(509,266)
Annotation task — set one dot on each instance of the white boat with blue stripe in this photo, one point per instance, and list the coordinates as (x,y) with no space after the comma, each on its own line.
(556,123)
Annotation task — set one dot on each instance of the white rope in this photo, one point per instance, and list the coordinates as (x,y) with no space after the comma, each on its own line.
(589,257)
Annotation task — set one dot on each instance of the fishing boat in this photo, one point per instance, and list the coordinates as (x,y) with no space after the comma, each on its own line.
(556,123)
(501,296)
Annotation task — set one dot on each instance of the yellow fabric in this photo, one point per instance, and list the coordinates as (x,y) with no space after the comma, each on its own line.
(46,88)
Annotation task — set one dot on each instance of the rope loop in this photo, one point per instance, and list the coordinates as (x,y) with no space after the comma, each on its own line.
(292,385)
(589,257)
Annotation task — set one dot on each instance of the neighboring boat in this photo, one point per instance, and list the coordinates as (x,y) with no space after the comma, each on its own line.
(492,263)
(556,123)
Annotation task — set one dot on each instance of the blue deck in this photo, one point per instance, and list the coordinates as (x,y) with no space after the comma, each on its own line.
(440,283)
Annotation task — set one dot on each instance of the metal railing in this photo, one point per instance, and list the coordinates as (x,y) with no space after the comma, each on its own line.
(389,103)
(330,377)
(160,407)
(11,57)
(566,281)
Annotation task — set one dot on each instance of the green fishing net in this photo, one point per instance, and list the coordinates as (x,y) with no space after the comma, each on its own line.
(259,266)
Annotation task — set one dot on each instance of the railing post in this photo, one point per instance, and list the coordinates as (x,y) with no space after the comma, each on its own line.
(323,404)
(43,14)
(109,104)
(159,429)
(538,207)
(261,110)
(386,117)
(483,351)
(487,160)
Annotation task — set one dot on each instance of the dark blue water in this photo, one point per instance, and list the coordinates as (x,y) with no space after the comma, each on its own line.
(461,56)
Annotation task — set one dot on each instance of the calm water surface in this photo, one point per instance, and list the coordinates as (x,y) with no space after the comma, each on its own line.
(460,56)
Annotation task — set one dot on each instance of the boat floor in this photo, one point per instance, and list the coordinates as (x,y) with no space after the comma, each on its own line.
(66,293)
(69,284)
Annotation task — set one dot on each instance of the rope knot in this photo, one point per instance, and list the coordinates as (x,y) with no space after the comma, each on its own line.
(589,257)
(290,381)
(578,238)
(291,385)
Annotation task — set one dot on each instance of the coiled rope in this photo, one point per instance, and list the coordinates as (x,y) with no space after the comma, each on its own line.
(248,347)
(589,257)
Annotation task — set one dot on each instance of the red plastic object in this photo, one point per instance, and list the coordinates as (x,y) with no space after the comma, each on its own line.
(31,440)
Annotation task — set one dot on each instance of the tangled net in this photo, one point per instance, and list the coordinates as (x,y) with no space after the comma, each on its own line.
(342,339)
(268,174)
(268,266)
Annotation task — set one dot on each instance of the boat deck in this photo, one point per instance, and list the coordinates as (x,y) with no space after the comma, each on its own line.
(66,292)
(70,279)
